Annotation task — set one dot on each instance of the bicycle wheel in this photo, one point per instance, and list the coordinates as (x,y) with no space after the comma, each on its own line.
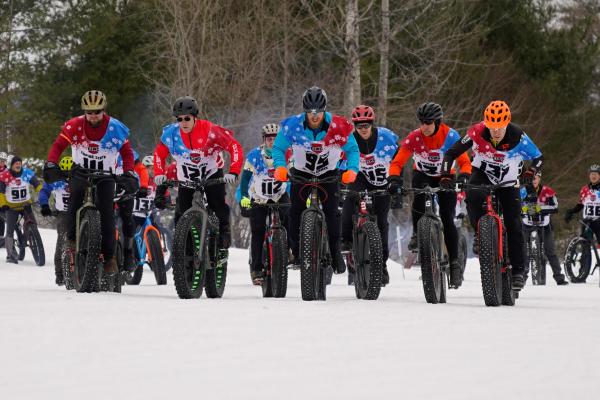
(312,279)
(189,271)
(216,277)
(167,241)
(67,272)
(534,247)
(368,262)
(432,276)
(85,274)
(462,252)
(20,244)
(267,286)
(134,277)
(35,243)
(58,265)
(155,255)
(489,260)
(578,259)
(279,260)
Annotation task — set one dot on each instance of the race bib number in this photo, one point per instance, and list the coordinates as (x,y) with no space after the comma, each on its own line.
(190,172)
(18,194)
(317,162)
(591,211)
(271,187)
(142,204)
(496,172)
(89,163)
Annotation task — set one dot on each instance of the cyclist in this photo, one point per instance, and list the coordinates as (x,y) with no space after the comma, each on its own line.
(145,198)
(542,197)
(317,139)
(61,192)
(96,140)
(499,149)
(427,145)
(15,198)
(377,146)
(589,202)
(196,146)
(258,187)
(3,160)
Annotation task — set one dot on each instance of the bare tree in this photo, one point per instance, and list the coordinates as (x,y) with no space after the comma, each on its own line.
(384,61)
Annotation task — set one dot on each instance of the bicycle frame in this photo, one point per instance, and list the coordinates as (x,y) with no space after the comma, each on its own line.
(141,238)
(593,243)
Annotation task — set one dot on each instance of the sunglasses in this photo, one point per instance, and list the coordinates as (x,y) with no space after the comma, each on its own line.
(186,119)
(427,122)
(95,112)
(362,126)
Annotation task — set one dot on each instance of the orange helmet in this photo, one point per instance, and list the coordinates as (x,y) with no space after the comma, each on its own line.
(496,115)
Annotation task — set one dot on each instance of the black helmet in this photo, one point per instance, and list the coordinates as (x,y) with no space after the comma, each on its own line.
(594,168)
(184,106)
(429,112)
(314,99)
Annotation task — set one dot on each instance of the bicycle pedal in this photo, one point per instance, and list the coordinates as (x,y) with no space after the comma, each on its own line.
(294,267)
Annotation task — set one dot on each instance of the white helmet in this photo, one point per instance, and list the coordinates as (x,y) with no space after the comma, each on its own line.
(270,130)
(3,156)
(148,161)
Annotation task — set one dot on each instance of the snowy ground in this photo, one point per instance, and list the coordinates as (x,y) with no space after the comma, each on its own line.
(147,344)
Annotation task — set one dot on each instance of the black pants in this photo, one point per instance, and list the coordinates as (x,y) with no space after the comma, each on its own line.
(2,223)
(381,208)
(328,194)
(594,225)
(549,250)
(510,202)
(105,193)
(258,227)
(215,196)
(447,209)
(126,214)
(12,216)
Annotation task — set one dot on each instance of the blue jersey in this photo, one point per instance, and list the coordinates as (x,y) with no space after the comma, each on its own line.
(61,192)
(375,165)
(262,187)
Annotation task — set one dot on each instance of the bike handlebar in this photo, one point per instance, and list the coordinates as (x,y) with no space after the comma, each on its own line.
(487,188)
(271,205)
(314,179)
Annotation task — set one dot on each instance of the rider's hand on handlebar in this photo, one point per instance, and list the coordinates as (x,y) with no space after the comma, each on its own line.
(160,202)
(52,172)
(447,182)
(160,179)
(396,184)
(527,176)
(143,192)
(46,212)
(128,182)
(230,178)
(463,178)
(281,174)
(245,202)
(348,177)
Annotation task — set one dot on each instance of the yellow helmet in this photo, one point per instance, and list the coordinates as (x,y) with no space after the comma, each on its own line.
(66,163)
(93,100)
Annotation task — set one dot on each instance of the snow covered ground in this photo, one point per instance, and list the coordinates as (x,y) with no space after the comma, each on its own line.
(147,344)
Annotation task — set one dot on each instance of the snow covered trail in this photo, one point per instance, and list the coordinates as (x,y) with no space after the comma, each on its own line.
(147,344)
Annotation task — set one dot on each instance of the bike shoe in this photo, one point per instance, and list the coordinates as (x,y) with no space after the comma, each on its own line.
(385,276)
(111,267)
(518,281)
(257,277)
(455,274)
(346,246)
(476,245)
(560,280)
(338,264)
(11,260)
(413,244)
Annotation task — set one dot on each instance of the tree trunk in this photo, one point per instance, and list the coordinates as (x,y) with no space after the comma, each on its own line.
(384,61)
(353,96)
(286,60)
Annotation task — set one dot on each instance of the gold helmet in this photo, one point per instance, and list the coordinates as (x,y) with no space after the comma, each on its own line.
(93,100)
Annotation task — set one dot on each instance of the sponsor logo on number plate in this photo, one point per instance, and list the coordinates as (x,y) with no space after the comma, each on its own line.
(369,159)
(434,156)
(498,157)
(195,157)
(271,172)
(93,148)
(317,147)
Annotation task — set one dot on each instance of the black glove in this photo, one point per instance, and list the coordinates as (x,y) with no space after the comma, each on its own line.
(463,178)
(447,182)
(128,183)
(396,184)
(160,202)
(4,208)
(527,176)
(52,172)
(143,192)
(46,212)
(569,215)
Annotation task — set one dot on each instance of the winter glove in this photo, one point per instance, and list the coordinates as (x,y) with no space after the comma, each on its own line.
(245,202)
(348,177)
(396,184)
(46,212)
(281,174)
(128,183)
(527,176)
(143,192)
(569,215)
(52,172)
(160,202)
(160,179)
(447,182)
(230,178)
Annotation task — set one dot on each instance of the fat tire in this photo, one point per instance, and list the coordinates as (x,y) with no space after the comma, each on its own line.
(462,252)
(279,274)
(158,262)
(369,268)
(266,286)
(20,243)
(87,255)
(489,260)
(216,277)
(433,276)
(34,240)
(578,252)
(535,258)
(189,277)
(311,273)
